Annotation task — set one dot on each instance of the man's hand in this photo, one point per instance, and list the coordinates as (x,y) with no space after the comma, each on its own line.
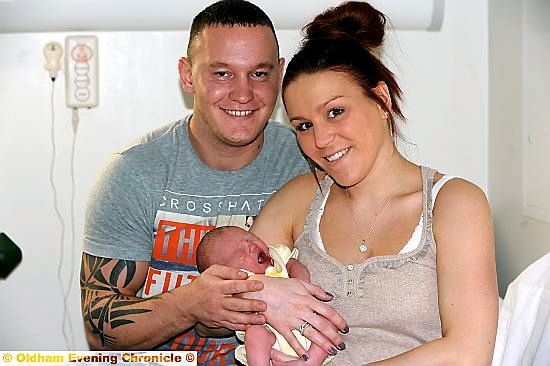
(292,302)
(213,302)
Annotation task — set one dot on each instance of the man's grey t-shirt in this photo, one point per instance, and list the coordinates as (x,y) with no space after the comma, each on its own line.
(156,199)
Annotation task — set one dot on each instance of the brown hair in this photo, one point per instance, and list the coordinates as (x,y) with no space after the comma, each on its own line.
(348,39)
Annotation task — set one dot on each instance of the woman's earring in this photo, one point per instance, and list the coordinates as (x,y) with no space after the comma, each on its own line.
(385,112)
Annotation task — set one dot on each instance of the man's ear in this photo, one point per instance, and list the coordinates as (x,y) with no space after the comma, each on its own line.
(381,89)
(184,68)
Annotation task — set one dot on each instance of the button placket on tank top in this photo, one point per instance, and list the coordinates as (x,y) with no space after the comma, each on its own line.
(350,284)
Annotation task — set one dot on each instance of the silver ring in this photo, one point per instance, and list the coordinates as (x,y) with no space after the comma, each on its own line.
(303,327)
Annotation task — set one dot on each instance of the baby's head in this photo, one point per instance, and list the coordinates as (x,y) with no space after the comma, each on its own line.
(233,247)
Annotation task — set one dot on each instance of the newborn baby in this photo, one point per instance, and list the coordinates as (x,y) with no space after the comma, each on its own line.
(235,247)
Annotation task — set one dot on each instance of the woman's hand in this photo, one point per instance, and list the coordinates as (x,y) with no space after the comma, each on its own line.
(291,303)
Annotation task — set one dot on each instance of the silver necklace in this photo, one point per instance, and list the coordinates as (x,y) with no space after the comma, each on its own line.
(364,246)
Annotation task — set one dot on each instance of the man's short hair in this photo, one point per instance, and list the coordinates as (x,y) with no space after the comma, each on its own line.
(228,13)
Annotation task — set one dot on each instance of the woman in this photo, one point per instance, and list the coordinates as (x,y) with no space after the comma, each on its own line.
(407,252)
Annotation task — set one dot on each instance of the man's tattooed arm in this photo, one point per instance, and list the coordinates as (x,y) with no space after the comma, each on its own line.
(114,318)
(110,309)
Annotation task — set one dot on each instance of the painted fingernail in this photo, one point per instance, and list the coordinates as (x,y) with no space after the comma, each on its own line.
(332,351)
(345,330)
(341,346)
(305,357)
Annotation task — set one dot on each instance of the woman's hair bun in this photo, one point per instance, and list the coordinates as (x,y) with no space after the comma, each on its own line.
(354,21)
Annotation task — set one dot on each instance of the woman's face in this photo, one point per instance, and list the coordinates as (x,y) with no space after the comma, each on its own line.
(337,125)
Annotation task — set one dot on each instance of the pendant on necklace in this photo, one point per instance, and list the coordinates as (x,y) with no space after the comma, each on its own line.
(363,246)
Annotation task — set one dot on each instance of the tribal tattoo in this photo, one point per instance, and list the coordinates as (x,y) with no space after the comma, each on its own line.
(111,309)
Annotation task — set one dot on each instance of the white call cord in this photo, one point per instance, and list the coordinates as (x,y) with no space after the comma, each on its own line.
(52,52)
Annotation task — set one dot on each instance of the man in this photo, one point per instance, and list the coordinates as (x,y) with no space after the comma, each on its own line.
(155,200)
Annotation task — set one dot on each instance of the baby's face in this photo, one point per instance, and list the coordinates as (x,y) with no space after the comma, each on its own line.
(245,250)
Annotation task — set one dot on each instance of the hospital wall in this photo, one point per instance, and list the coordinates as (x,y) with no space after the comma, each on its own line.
(519,133)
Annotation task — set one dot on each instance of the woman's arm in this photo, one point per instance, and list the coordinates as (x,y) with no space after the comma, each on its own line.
(291,302)
(466,277)
(282,218)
